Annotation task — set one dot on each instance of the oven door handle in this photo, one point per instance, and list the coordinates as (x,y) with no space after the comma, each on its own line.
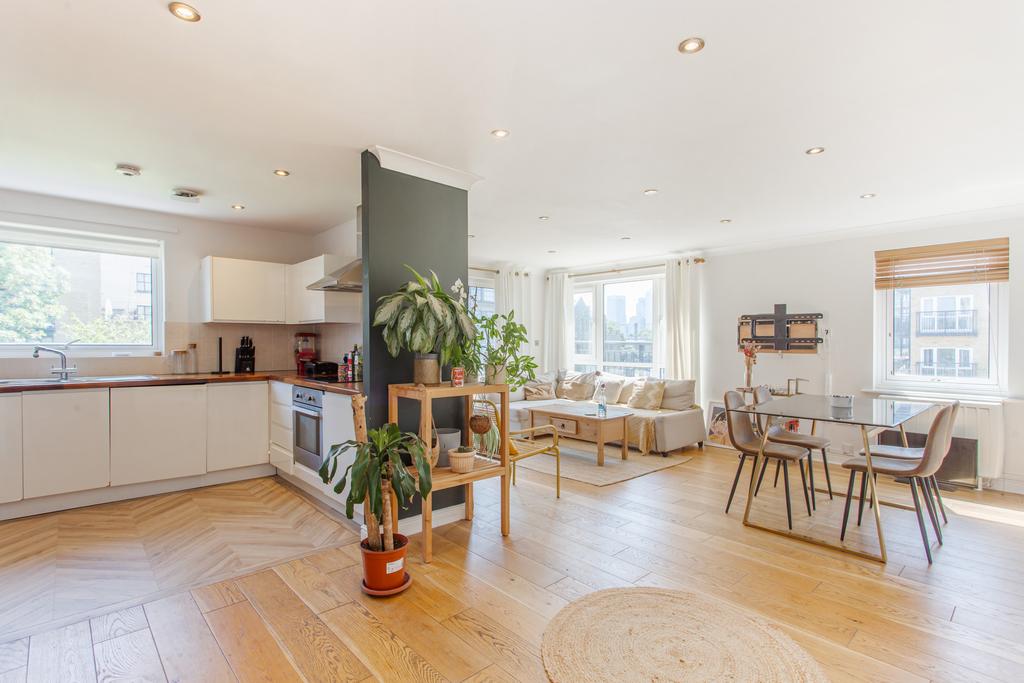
(309,413)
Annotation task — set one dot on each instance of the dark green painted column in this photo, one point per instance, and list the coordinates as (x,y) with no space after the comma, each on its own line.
(407,220)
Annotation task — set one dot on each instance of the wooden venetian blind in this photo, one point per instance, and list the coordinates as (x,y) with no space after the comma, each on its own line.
(943,264)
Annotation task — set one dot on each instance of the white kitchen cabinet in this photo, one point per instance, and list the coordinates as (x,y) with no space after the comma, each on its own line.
(237,425)
(10,448)
(281,454)
(236,290)
(338,427)
(306,306)
(65,440)
(157,433)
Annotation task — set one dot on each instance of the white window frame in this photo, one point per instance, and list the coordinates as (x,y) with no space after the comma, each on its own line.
(596,286)
(61,238)
(996,384)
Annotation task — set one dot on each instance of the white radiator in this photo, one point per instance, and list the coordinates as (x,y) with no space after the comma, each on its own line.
(981,420)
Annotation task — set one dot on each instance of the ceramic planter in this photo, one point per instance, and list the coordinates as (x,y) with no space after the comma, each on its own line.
(426,369)
(384,570)
(496,374)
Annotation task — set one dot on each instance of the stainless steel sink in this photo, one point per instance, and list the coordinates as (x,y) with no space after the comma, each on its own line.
(46,381)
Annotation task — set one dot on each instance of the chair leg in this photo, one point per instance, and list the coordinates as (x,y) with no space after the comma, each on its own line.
(920,519)
(828,477)
(735,481)
(810,479)
(558,474)
(930,504)
(863,495)
(789,504)
(760,477)
(778,465)
(803,480)
(938,497)
(513,472)
(849,501)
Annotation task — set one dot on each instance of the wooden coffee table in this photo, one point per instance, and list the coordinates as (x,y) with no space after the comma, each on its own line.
(581,422)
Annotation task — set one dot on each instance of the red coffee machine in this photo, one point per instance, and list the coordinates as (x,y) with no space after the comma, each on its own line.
(306,350)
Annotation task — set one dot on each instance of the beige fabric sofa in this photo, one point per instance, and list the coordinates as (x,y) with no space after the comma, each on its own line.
(677,424)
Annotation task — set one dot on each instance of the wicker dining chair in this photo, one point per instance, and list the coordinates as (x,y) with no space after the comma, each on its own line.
(520,449)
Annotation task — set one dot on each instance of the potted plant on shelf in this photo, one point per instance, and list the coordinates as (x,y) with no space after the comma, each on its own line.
(501,351)
(423,318)
(377,471)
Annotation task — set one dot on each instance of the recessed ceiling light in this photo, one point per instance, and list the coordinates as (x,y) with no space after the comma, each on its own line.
(184,12)
(499,133)
(691,45)
(625,238)
(868,195)
(238,207)
(650,191)
(552,251)
(813,151)
(543,218)
(725,220)
(128,170)
(281,172)
(471,235)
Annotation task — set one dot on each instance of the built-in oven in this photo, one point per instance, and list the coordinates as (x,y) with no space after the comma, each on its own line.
(307,432)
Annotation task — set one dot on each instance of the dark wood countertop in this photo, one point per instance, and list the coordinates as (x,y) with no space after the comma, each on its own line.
(349,388)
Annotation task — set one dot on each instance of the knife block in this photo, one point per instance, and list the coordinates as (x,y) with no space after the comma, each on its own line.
(245,359)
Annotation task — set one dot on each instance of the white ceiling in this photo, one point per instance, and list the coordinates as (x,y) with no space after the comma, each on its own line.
(919,102)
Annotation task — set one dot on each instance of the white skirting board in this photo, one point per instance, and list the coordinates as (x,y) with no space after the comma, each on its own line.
(311,484)
(67,501)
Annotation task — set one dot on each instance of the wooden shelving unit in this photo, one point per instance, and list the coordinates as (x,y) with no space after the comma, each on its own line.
(442,477)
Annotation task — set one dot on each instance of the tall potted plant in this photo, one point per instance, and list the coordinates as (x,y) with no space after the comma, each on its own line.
(503,359)
(423,318)
(377,471)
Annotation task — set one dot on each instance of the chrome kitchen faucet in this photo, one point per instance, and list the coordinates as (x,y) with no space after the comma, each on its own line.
(64,371)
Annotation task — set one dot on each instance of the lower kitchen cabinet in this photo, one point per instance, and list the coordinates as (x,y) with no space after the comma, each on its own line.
(157,433)
(10,448)
(65,440)
(237,425)
(281,455)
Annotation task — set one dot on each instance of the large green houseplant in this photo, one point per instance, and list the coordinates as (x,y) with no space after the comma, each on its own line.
(424,318)
(373,475)
(501,350)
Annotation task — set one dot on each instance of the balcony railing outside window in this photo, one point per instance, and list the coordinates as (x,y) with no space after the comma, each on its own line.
(958,323)
(933,370)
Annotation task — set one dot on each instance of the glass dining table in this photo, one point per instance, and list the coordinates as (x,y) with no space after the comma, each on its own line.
(866,414)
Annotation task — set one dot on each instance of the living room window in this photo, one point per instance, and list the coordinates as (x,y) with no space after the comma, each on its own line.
(61,286)
(618,326)
(940,317)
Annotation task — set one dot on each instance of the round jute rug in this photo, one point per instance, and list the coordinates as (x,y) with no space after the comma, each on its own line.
(656,634)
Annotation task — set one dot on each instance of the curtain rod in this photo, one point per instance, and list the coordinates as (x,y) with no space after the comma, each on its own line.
(612,271)
(495,271)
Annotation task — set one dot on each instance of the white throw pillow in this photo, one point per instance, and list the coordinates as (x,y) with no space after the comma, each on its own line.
(576,386)
(647,396)
(629,385)
(612,389)
(679,394)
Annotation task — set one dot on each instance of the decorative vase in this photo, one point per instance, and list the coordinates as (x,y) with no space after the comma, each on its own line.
(447,438)
(748,376)
(384,570)
(496,374)
(426,369)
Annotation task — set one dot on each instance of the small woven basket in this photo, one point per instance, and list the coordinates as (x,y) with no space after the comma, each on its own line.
(461,462)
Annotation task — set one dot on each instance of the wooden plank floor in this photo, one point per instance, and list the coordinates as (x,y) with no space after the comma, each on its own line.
(478,612)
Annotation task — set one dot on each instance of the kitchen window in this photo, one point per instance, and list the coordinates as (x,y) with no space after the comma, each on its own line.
(61,286)
(618,326)
(941,315)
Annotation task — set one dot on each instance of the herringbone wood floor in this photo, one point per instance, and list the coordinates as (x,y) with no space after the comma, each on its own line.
(56,566)
(477,613)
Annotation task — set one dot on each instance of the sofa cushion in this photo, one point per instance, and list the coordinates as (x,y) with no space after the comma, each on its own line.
(679,394)
(577,386)
(648,395)
(541,388)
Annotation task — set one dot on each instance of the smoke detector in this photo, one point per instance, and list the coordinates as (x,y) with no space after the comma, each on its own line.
(128,170)
(184,194)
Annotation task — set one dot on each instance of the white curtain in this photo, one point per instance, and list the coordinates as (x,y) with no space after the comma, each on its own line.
(682,318)
(558,322)
(512,294)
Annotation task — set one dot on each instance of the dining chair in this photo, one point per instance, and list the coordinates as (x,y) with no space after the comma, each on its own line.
(812,442)
(918,472)
(903,453)
(743,438)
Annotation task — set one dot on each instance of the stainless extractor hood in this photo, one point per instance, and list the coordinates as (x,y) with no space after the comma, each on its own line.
(348,278)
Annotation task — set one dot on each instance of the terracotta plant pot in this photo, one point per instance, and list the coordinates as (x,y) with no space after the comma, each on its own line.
(376,563)
(426,369)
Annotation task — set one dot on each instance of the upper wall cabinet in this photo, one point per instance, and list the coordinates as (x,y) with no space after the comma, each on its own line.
(239,291)
(306,306)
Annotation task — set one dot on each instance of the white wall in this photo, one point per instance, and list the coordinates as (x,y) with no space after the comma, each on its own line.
(836,279)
